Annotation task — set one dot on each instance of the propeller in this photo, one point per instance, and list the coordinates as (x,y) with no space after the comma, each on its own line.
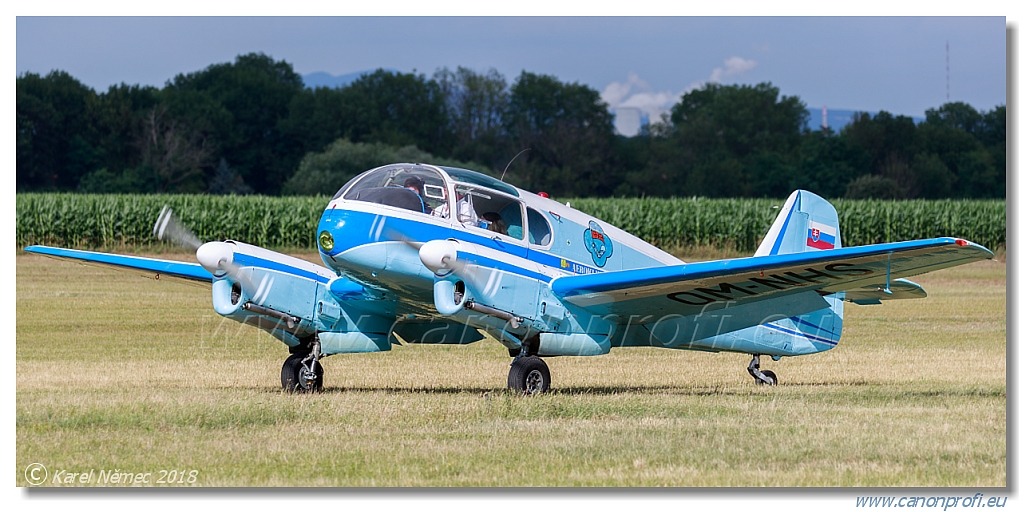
(215,257)
(169,229)
(442,258)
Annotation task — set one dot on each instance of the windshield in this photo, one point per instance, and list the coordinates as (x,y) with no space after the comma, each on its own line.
(408,186)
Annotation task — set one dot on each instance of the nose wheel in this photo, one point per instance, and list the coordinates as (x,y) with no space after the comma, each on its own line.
(762,378)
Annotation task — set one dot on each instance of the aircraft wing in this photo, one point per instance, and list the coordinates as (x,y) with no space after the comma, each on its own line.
(797,278)
(148,267)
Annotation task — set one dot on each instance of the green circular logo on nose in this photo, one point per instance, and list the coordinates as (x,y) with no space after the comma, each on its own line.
(326,241)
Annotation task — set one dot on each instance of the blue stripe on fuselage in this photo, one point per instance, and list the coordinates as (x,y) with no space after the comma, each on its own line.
(819,328)
(361,228)
(484,261)
(801,334)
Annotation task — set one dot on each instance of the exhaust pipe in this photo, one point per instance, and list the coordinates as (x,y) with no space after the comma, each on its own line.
(290,321)
(514,321)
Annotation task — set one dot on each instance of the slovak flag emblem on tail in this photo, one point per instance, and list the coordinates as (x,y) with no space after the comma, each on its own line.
(821,236)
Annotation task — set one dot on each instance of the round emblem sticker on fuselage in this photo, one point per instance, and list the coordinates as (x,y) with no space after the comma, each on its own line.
(598,244)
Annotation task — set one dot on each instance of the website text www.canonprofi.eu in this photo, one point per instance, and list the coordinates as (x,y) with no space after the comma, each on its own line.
(977,500)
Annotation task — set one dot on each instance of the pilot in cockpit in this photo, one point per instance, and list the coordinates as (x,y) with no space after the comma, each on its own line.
(415,184)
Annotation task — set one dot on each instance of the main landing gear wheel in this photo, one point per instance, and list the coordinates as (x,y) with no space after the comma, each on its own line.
(766,377)
(529,375)
(301,373)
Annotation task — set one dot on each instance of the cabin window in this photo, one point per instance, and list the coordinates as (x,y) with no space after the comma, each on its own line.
(540,229)
(487,209)
(410,187)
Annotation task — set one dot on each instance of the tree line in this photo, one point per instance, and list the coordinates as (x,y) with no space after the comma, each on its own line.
(251,126)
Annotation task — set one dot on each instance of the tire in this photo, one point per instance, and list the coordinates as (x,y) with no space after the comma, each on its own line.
(529,375)
(771,375)
(291,376)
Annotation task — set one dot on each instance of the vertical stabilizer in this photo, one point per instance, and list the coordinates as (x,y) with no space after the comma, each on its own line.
(806,223)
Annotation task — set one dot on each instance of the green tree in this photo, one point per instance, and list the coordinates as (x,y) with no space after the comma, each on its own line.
(955,115)
(397,109)
(256,93)
(569,132)
(316,118)
(933,177)
(57,142)
(738,140)
(828,163)
(992,135)
(120,115)
(888,141)
(475,103)
(325,171)
(873,186)
(176,154)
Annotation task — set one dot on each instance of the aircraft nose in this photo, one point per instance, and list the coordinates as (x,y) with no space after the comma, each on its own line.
(213,256)
(439,255)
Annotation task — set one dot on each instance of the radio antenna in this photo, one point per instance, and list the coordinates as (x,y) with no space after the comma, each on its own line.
(510,163)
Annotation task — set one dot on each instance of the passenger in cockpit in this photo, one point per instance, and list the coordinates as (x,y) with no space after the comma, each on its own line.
(495,223)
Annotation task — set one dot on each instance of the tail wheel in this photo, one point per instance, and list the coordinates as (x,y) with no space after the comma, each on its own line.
(770,375)
(299,378)
(529,375)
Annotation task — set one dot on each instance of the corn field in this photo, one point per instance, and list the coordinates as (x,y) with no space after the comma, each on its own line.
(741,223)
(126,221)
(111,221)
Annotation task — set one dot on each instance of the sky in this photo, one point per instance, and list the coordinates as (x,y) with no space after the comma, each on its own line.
(897,64)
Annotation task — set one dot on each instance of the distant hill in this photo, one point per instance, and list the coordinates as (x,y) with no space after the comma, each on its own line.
(838,119)
(322,79)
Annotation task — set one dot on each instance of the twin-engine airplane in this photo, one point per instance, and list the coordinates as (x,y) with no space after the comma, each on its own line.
(419,253)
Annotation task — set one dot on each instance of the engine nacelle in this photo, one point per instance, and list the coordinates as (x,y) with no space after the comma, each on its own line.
(353,342)
(579,344)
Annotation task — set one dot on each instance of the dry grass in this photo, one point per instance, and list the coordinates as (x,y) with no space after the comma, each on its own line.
(118,372)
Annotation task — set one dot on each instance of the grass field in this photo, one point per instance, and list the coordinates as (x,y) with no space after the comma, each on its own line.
(118,373)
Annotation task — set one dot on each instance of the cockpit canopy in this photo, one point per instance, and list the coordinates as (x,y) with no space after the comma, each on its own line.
(412,187)
(480,201)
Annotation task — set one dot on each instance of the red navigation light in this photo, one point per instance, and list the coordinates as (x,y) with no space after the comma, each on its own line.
(543,194)
(961,242)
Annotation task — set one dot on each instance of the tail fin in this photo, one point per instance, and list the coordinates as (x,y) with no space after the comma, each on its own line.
(806,223)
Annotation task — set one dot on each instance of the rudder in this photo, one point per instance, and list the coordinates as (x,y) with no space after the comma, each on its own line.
(806,223)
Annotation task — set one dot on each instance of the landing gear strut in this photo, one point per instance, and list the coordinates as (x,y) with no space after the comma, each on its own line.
(761,377)
(302,372)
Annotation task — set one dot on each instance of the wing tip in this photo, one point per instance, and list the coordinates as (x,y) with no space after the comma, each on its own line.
(967,244)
